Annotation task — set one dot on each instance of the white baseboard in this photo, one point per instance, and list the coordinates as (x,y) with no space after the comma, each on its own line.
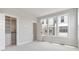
(24,43)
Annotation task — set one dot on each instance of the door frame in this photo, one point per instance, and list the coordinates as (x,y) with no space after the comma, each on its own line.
(16,27)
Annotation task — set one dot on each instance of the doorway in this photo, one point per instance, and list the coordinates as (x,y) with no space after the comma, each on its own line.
(10,31)
(34,31)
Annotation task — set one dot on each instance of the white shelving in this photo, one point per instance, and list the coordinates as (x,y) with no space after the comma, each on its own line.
(10,30)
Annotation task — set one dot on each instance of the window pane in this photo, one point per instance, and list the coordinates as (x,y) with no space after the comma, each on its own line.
(51,30)
(63,29)
(44,26)
(51,22)
(52,25)
(62,19)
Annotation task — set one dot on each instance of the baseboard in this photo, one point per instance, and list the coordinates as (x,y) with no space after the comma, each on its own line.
(24,43)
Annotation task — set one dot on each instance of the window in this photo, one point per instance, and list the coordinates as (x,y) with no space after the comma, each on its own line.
(55,26)
(50,21)
(44,27)
(51,30)
(46,21)
(42,22)
(62,19)
(63,29)
(52,26)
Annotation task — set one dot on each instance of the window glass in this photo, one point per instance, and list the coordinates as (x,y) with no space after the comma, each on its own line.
(44,27)
(63,25)
(55,26)
(50,21)
(51,26)
(62,19)
(63,29)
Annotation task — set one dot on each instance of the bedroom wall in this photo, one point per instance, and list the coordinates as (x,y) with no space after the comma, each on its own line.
(78,27)
(72,38)
(2,31)
(24,25)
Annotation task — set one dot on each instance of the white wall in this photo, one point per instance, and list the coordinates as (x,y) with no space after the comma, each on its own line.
(24,25)
(72,32)
(78,27)
(25,30)
(2,31)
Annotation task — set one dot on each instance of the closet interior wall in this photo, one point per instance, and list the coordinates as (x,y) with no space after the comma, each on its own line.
(10,31)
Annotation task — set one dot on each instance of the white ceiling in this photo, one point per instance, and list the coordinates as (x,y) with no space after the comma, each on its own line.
(37,12)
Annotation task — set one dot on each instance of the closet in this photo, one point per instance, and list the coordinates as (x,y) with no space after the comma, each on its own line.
(10,31)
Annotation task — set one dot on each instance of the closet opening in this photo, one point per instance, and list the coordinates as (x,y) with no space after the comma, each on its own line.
(34,31)
(10,31)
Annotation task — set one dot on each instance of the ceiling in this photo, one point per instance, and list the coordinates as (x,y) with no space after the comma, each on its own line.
(35,12)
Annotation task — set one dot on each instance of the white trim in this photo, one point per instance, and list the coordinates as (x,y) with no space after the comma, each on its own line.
(24,43)
(6,14)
